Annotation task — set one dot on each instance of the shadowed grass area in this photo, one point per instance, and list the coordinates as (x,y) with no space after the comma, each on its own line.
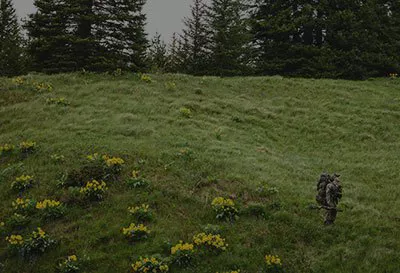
(240,136)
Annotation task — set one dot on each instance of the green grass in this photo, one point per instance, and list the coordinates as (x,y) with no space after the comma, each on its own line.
(240,134)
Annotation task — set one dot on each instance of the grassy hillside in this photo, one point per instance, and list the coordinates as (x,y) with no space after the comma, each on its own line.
(262,141)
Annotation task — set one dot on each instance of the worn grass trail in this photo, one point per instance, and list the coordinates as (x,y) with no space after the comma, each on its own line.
(242,137)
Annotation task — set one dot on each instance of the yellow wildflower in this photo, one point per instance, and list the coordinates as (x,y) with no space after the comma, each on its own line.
(273,260)
(182,247)
(15,240)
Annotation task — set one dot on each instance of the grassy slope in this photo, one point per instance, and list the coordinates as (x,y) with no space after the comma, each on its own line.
(245,132)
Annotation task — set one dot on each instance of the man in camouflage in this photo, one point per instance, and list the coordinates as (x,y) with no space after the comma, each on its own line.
(329,194)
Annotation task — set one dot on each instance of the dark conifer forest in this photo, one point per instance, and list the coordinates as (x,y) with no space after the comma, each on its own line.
(303,38)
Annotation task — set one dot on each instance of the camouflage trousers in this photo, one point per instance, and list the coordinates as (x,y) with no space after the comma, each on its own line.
(330,217)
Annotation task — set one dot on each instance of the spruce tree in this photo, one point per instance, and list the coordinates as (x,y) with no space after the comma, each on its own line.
(229,37)
(119,31)
(195,40)
(81,20)
(49,45)
(174,60)
(274,33)
(11,62)
(158,54)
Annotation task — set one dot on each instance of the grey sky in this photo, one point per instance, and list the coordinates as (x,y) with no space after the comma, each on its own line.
(163,16)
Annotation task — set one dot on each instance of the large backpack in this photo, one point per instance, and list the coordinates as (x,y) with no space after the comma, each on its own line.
(323,181)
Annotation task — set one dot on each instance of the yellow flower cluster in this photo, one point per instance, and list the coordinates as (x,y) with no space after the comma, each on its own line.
(171,86)
(15,240)
(39,233)
(93,157)
(47,204)
(18,81)
(27,145)
(57,157)
(222,202)
(151,265)
(186,112)
(22,182)
(94,186)
(393,75)
(24,178)
(42,86)
(210,240)
(21,203)
(145,78)
(6,148)
(273,260)
(143,209)
(72,258)
(182,247)
(2,224)
(135,174)
(60,101)
(113,161)
(135,229)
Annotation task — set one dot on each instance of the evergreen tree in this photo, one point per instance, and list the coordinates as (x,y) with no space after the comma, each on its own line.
(229,37)
(119,31)
(158,54)
(97,35)
(360,42)
(49,46)
(11,62)
(80,23)
(174,60)
(195,40)
(274,33)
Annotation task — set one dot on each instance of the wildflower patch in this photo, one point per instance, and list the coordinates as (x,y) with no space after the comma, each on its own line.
(141,213)
(6,149)
(69,265)
(57,101)
(94,190)
(24,206)
(182,254)
(27,147)
(50,209)
(136,232)
(22,183)
(225,209)
(135,181)
(151,264)
(212,242)
(273,264)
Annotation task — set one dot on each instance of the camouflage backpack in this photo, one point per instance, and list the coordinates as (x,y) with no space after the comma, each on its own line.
(323,181)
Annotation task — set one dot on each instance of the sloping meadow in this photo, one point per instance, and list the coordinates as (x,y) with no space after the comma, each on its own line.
(116,173)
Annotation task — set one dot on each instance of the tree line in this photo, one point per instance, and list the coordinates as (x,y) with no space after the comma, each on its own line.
(352,39)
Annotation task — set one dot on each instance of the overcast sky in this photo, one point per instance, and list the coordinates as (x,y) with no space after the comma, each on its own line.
(163,16)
